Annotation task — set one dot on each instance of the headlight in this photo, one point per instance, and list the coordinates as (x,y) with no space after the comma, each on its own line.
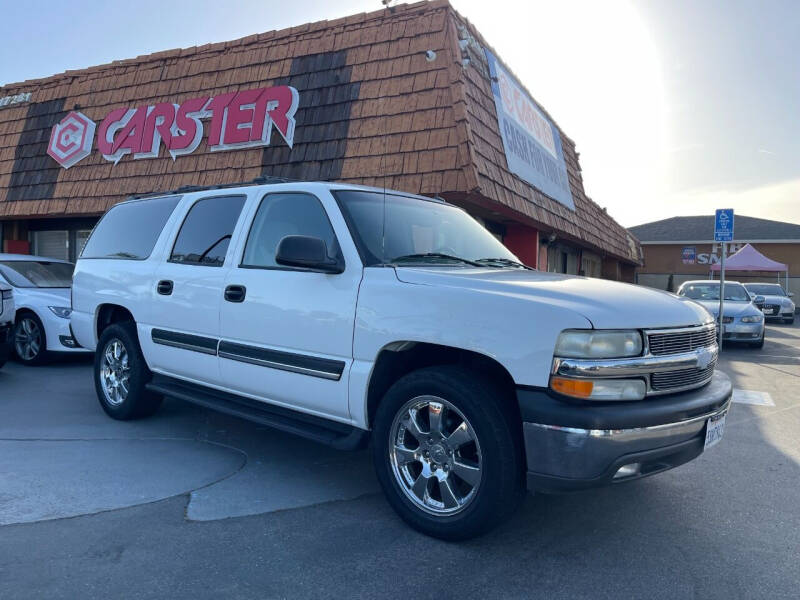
(61,311)
(752,319)
(591,343)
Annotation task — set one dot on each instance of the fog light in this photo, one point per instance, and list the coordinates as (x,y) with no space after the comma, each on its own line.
(67,341)
(628,470)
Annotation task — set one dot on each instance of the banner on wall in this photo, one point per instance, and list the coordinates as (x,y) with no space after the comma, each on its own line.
(531,142)
(689,255)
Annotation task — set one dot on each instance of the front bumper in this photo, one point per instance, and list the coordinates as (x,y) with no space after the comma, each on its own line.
(571,446)
(743,332)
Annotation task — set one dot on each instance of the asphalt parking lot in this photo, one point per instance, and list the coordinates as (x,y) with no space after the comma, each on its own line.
(195,504)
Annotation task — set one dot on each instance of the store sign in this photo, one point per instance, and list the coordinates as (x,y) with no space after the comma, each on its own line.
(15,99)
(71,139)
(236,120)
(531,142)
(689,255)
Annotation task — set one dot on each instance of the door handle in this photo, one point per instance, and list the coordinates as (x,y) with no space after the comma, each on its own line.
(235,293)
(164,287)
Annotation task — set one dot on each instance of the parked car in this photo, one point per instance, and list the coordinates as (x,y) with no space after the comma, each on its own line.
(742,320)
(42,296)
(777,303)
(6,322)
(348,314)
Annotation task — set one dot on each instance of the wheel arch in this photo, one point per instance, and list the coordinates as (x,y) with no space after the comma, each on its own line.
(108,314)
(399,358)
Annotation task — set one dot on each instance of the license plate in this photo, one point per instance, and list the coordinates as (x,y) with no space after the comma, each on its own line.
(715,427)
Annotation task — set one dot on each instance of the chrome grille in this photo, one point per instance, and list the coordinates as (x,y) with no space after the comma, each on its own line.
(678,379)
(681,341)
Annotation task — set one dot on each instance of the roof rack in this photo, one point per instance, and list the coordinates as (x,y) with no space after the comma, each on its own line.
(186,189)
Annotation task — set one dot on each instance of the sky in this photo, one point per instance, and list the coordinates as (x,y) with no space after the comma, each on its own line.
(677,107)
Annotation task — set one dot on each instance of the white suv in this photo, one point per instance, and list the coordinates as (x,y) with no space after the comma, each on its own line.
(6,321)
(351,315)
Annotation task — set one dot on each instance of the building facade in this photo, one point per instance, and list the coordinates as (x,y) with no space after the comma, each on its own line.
(679,249)
(410,98)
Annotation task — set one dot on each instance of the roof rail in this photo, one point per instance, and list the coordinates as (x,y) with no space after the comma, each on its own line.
(186,189)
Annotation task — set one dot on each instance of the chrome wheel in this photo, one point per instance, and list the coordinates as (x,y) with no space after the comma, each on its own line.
(435,455)
(28,339)
(115,372)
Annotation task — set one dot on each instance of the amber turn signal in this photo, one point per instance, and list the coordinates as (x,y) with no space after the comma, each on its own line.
(577,388)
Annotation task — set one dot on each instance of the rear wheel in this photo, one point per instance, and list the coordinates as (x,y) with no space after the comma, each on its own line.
(448,453)
(30,342)
(121,374)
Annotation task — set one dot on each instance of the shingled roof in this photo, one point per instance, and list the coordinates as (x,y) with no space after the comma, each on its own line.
(701,228)
(372,111)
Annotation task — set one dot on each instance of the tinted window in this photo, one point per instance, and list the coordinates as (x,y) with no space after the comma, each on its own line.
(43,274)
(388,226)
(286,214)
(710,291)
(765,289)
(206,232)
(130,230)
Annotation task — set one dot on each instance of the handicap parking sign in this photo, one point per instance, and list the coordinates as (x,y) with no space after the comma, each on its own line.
(723,225)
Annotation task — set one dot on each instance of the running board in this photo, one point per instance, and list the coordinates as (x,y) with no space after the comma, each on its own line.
(324,431)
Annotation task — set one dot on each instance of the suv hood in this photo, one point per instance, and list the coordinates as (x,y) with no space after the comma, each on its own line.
(607,304)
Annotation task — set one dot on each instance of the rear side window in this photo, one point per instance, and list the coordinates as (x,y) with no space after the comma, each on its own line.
(206,232)
(280,215)
(130,230)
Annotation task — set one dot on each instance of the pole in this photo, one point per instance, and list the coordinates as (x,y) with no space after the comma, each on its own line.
(721,293)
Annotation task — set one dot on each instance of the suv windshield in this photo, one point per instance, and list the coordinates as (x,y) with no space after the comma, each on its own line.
(37,273)
(765,289)
(710,291)
(421,231)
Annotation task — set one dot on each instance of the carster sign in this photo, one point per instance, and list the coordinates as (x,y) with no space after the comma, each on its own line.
(532,144)
(236,120)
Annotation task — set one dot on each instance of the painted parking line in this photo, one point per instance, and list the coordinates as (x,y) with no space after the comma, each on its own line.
(752,397)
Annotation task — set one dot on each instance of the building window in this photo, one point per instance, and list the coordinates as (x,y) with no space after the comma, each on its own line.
(51,244)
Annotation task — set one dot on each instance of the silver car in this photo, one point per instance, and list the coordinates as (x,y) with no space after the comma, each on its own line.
(777,303)
(742,321)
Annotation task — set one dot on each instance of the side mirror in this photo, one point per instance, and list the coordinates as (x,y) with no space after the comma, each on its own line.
(759,301)
(307,252)
(790,294)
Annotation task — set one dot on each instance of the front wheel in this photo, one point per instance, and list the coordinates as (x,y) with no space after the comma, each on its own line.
(30,341)
(121,374)
(448,453)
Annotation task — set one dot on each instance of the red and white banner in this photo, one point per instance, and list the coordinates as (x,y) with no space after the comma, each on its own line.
(236,120)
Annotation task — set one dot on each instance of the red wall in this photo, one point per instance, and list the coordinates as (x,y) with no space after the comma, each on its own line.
(524,242)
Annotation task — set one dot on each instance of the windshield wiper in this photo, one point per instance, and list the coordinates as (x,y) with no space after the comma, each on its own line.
(434,255)
(503,262)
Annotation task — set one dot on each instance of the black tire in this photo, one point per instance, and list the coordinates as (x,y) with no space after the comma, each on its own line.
(498,432)
(789,321)
(138,402)
(40,357)
(759,343)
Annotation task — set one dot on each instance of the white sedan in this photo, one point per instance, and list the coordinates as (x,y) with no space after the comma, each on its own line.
(42,306)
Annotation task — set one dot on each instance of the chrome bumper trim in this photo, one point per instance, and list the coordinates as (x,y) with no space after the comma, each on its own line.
(639,366)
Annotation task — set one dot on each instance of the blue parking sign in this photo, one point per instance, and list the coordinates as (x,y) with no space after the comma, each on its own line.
(723,225)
